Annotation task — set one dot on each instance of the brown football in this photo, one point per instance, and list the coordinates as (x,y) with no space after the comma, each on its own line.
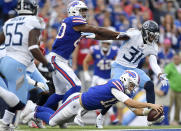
(153,115)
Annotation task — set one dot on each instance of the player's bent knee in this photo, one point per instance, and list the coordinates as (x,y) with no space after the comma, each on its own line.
(52,123)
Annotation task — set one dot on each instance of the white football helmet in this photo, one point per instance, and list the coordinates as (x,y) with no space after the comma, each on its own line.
(106,48)
(75,7)
(130,78)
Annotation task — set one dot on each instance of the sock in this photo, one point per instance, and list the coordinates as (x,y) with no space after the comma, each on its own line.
(70,92)
(10,98)
(19,106)
(43,113)
(150,93)
(44,109)
(53,100)
(104,111)
(8,117)
(45,116)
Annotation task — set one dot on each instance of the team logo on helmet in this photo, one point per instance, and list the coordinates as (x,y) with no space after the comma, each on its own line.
(146,25)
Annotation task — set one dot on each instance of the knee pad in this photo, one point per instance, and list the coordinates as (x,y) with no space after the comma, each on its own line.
(70,92)
(52,123)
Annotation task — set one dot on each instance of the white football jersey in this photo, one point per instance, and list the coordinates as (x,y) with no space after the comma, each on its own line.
(133,50)
(16,31)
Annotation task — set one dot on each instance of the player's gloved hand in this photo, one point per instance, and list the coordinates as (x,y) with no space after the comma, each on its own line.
(165,83)
(50,67)
(41,86)
(88,35)
(150,123)
(122,36)
(87,77)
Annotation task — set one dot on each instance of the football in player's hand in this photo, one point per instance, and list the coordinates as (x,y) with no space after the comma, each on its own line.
(153,115)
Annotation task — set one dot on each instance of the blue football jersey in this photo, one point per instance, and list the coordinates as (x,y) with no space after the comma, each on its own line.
(67,38)
(102,63)
(100,96)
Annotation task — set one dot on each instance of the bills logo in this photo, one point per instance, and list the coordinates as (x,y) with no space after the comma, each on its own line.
(74,4)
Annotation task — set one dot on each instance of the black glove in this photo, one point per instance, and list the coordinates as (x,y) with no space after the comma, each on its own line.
(50,67)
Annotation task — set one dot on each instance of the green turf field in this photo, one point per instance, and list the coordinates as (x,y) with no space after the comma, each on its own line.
(77,128)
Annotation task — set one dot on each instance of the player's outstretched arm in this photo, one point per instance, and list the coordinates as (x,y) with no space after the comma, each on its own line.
(34,48)
(101,33)
(132,103)
(137,104)
(2,38)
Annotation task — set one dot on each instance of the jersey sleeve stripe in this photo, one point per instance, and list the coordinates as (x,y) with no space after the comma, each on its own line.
(117,86)
(80,21)
(78,18)
(63,73)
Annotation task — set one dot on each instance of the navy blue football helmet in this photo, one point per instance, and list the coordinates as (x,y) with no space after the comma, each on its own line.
(27,7)
(150,31)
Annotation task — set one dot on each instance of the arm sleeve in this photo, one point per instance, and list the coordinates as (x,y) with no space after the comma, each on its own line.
(154,65)
(119,95)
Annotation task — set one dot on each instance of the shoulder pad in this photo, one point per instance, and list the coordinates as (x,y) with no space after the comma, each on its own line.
(36,22)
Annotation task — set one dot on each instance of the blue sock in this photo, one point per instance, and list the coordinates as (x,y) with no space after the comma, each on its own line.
(43,113)
(150,93)
(70,92)
(44,109)
(53,100)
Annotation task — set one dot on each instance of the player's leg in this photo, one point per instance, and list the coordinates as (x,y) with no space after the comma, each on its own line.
(147,84)
(15,74)
(65,81)
(14,104)
(67,111)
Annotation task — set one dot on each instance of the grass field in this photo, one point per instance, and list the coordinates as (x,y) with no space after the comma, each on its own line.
(85,128)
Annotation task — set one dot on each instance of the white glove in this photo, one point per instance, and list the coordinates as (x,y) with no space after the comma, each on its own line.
(36,84)
(41,86)
(87,77)
(150,123)
(164,80)
(88,35)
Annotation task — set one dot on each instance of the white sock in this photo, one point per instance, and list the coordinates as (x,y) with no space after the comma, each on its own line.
(8,117)
(110,111)
(10,98)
